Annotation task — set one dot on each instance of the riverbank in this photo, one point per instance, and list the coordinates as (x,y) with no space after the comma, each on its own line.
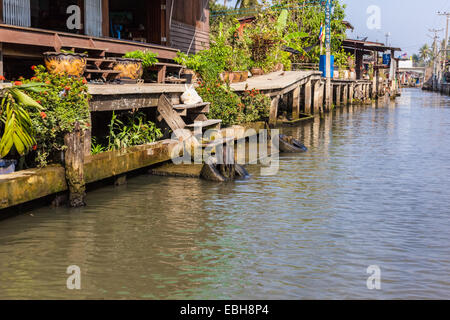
(293,92)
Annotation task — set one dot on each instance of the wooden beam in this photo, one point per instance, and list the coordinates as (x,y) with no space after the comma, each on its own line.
(1,59)
(105,18)
(1,11)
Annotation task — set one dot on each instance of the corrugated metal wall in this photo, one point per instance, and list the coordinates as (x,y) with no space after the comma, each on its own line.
(93,17)
(17,12)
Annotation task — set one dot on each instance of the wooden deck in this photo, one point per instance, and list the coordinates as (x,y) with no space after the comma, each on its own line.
(277,83)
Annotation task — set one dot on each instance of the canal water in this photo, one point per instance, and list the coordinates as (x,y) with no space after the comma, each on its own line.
(373,190)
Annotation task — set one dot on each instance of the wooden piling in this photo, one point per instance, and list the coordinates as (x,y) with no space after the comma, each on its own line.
(345,95)
(308,97)
(338,95)
(296,103)
(316,97)
(274,111)
(351,93)
(74,166)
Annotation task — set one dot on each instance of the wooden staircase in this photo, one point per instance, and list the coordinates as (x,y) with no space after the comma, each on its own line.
(190,117)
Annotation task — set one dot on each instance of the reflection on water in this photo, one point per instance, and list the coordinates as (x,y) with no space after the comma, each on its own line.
(372,190)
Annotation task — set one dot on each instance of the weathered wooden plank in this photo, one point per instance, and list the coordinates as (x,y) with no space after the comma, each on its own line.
(173,120)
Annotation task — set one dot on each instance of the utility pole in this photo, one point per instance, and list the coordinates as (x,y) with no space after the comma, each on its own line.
(445,54)
(329,97)
(435,54)
(387,35)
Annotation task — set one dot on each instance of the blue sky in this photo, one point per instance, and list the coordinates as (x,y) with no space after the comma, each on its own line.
(407,21)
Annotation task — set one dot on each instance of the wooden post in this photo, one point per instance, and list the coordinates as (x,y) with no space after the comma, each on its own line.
(351,93)
(274,111)
(105,18)
(296,103)
(323,105)
(316,97)
(345,95)
(74,165)
(377,83)
(1,59)
(162,74)
(308,97)
(338,95)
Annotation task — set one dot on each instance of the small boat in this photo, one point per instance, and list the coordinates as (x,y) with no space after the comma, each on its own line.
(290,145)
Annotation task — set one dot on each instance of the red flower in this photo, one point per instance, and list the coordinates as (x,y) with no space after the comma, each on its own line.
(67,88)
(47,82)
(35,147)
(38,101)
(2,78)
(85,81)
(33,79)
(43,115)
(33,67)
(18,83)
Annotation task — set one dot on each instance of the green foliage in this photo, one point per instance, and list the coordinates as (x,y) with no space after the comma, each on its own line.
(148,58)
(230,107)
(96,148)
(65,100)
(131,129)
(17,128)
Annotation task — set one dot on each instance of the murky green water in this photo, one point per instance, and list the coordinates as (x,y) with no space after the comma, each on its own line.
(374,189)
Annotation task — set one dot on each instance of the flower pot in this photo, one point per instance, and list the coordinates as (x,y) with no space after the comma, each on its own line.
(244,76)
(72,64)
(257,71)
(130,69)
(7,166)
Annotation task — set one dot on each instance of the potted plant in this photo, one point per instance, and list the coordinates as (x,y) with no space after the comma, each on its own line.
(66,62)
(133,64)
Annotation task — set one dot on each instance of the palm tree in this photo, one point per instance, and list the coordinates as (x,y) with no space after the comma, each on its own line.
(246,3)
(425,53)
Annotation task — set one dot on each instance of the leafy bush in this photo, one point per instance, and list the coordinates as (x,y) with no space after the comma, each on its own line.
(131,129)
(65,100)
(230,107)
(16,127)
(148,58)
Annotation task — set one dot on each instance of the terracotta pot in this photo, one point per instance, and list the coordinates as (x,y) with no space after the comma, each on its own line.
(72,64)
(244,76)
(257,71)
(130,69)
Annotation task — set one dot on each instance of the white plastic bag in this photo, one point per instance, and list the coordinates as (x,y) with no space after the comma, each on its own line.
(190,96)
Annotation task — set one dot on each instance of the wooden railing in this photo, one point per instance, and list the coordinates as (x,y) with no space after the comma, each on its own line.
(305,66)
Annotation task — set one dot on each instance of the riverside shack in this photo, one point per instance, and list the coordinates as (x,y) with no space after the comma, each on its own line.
(102,28)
